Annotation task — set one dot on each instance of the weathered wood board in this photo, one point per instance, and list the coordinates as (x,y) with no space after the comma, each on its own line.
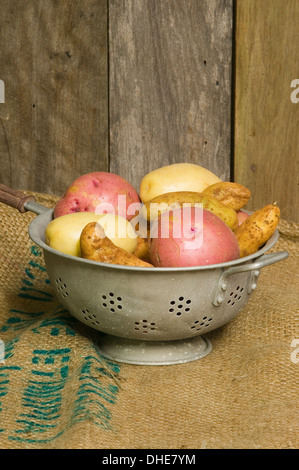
(54,122)
(266,117)
(169,88)
(170,85)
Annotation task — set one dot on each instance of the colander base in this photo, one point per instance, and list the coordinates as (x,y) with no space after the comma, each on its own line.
(154,352)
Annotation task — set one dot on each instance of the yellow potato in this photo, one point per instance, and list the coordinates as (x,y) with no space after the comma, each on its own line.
(176,177)
(233,195)
(63,233)
(257,229)
(165,202)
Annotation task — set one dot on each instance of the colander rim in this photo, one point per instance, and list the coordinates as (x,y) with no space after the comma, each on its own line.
(47,215)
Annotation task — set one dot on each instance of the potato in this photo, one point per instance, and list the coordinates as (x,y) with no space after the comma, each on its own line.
(96,246)
(204,239)
(242,215)
(176,177)
(257,229)
(141,250)
(169,201)
(233,195)
(99,192)
(63,233)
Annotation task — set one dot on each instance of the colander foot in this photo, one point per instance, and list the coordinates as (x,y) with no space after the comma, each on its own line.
(154,352)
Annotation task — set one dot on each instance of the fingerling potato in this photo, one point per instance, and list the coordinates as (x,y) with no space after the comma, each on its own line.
(173,200)
(257,229)
(142,248)
(233,195)
(96,246)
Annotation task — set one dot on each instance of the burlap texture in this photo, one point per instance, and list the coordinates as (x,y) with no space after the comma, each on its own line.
(57,392)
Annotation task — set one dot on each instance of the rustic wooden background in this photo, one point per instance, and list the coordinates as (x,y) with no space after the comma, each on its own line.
(130,85)
(266,150)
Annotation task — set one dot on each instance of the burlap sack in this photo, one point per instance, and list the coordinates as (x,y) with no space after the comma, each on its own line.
(57,391)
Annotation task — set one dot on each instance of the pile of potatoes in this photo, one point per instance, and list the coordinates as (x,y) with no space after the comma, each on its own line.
(102,217)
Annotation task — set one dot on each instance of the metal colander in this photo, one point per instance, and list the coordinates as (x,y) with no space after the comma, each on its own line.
(149,315)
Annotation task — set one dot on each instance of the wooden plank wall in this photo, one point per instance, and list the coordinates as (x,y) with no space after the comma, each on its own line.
(169,88)
(266,119)
(170,85)
(53,61)
(130,85)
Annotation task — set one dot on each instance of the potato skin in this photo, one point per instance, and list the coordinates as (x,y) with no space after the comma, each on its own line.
(242,215)
(257,229)
(205,240)
(97,247)
(165,202)
(233,195)
(97,192)
(142,248)
(175,177)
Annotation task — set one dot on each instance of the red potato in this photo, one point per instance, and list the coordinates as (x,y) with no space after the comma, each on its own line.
(242,216)
(201,239)
(99,192)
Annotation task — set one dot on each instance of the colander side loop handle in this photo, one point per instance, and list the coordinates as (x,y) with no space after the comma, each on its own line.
(20,201)
(261,262)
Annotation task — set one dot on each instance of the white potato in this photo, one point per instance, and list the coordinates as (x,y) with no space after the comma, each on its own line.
(176,177)
(63,233)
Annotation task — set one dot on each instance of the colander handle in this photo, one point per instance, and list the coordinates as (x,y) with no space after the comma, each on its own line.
(261,262)
(21,201)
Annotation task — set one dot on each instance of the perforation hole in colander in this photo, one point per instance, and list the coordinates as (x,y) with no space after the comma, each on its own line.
(180,306)
(89,317)
(144,326)
(112,302)
(235,296)
(61,287)
(201,324)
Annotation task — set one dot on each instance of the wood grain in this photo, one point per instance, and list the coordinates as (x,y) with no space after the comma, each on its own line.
(266,120)
(54,123)
(170,85)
